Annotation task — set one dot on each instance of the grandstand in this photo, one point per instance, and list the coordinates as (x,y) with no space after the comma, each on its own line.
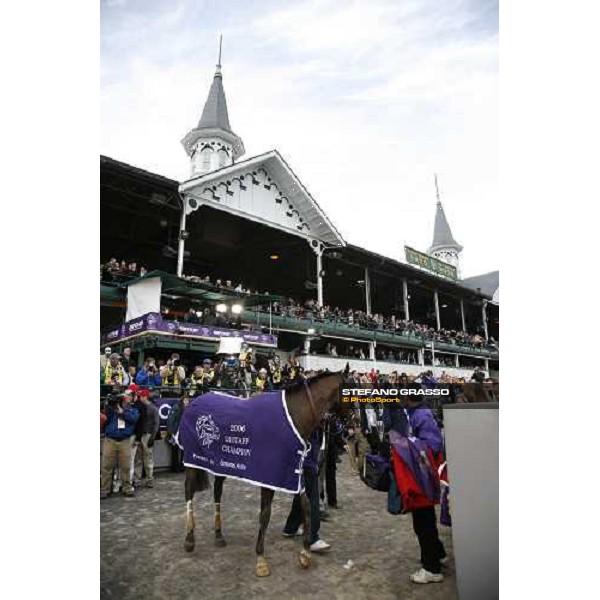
(252,225)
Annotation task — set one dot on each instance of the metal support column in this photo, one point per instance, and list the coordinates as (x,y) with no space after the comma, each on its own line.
(457,362)
(486,366)
(405,298)
(307,345)
(319,280)
(421,355)
(141,357)
(484,317)
(367,291)
(372,350)
(181,247)
(462,315)
(436,303)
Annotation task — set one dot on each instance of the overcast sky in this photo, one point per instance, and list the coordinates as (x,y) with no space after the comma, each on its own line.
(366,100)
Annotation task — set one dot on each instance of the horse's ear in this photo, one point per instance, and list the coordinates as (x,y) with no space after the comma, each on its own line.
(347,369)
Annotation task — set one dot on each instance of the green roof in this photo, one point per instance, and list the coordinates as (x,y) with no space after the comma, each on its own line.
(177,286)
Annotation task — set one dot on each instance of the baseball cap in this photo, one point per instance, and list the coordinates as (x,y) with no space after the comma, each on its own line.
(145,393)
(134,388)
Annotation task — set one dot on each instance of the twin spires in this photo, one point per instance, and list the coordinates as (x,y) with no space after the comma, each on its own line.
(444,246)
(442,235)
(213,134)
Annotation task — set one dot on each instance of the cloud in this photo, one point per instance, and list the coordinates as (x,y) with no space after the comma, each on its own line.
(366,101)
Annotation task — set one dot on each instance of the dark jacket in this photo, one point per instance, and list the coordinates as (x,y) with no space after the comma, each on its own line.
(312,459)
(152,421)
(395,418)
(141,422)
(130,416)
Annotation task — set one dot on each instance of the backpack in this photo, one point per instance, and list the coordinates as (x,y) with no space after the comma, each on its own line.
(376,472)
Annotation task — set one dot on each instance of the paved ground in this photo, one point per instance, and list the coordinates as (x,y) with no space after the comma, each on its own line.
(142,552)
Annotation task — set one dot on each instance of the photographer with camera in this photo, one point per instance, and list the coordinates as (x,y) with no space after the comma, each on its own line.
(262,383)
(173,374)
(149,375)
(121,418)
(114,373)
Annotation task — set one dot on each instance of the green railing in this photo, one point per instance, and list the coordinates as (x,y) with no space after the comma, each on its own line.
(338,329)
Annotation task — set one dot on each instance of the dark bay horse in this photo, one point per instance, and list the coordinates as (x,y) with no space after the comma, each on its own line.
(478,392)
(307,403)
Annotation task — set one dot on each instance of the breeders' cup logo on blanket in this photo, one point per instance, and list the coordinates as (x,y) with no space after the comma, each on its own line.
(206,429)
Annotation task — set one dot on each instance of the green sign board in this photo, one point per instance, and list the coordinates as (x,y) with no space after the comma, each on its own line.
(434,265)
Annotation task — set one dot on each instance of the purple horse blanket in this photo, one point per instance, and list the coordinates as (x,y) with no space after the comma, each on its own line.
(249,439)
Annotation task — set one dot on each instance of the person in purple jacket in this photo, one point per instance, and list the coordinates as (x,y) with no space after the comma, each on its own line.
(421,424)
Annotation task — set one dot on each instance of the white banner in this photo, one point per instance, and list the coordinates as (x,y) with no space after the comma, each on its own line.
(143,298)
(231,345)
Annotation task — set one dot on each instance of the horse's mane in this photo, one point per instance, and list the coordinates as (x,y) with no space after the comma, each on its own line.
(295,387)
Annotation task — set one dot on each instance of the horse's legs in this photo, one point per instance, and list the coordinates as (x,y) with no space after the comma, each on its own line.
(266,498)
(305,556)
(190,521)
(218,491)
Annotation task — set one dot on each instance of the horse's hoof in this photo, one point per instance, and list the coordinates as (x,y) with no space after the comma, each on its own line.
(305,559)
(189,546)
(220,542)
(262,568)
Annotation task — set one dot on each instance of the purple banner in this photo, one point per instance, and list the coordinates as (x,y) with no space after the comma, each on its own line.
(155,323)
(253,440)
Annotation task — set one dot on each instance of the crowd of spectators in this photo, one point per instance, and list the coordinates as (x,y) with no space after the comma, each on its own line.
(115,270)
(223,284)
(247,372)
(309,310)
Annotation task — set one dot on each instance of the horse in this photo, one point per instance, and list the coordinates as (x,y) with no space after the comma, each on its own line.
(307,403)
(478,392)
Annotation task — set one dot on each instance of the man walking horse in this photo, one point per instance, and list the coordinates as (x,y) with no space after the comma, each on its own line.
(221,434)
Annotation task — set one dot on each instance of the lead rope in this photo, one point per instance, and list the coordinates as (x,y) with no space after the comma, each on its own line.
(312,404)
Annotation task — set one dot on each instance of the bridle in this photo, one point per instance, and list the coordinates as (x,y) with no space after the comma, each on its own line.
(311,402)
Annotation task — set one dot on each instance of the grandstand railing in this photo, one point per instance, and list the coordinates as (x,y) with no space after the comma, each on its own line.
(380,334)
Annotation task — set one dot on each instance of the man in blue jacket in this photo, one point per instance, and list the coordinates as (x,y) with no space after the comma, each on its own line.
(148,375)
(118,441)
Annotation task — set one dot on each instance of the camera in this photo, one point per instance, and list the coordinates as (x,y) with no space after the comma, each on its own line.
(113,401)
